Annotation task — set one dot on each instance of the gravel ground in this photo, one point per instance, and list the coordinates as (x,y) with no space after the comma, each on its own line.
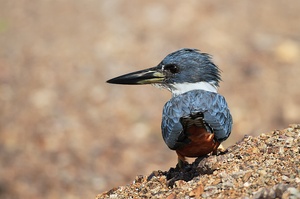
(266,166)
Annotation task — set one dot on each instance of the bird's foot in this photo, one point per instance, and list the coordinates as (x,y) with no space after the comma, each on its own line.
(181,164)
(219,150)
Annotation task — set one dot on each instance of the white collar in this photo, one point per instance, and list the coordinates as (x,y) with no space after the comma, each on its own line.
(181,88)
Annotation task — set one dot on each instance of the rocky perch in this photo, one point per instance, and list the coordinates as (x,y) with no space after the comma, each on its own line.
(267,166)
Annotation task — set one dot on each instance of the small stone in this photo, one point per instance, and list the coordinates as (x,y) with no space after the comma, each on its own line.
(289,133)
(285,178)
(281,150)
(163,179)
(197,191)
(289,142)
(263,136)
(247,176)
(247,184)
(255,150)
(261,193)
(171,196)
(237,174)
(138,179)
(270,141)
(180,183)
(227,185)
(155,189)
(262,147)
(217,181)
(209,191)
(262,172)
(296,126)
(113,196)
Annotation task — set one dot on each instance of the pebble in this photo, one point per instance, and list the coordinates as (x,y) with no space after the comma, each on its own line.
(247,176)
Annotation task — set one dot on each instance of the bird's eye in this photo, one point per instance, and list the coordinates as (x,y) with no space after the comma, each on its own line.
(172,68)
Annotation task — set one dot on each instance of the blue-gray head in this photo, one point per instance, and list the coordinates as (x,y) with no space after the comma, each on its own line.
(181,71)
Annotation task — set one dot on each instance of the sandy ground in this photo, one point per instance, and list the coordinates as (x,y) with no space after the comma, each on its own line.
(65,133)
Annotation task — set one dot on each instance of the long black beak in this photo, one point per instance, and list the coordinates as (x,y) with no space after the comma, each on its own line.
(147,76)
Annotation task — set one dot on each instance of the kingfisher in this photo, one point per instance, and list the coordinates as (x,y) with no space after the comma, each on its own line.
(196,120)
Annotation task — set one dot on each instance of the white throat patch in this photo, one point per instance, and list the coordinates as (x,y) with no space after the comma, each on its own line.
(178,89)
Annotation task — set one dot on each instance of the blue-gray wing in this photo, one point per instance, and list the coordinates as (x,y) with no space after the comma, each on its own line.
(213,106)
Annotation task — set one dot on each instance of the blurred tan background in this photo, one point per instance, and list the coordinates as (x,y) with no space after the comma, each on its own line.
(65,133)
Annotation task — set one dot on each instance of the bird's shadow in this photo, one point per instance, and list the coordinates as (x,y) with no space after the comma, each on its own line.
(200,166)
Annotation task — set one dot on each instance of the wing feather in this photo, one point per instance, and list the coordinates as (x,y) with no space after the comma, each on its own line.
(212,105)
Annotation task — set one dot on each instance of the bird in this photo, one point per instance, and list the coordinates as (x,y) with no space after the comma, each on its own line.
(197,119)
